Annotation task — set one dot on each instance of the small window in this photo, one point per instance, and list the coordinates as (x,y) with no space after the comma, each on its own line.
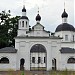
(39,59)
(33,59)
(44,59)
(4,60)
(22,23)
(66,37)
(71,60)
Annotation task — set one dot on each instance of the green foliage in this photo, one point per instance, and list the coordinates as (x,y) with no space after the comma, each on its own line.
(22,73)
(8,29)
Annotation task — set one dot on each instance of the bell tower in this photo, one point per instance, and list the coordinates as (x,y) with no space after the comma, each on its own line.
(23,24)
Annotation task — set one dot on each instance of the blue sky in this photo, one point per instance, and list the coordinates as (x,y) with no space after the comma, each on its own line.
(50,11)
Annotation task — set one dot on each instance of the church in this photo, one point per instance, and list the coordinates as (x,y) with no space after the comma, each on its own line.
(38,49)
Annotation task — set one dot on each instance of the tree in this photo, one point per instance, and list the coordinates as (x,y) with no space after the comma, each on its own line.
(13,29)
(8,29)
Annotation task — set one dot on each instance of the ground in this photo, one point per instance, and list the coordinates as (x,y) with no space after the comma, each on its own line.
(37,73)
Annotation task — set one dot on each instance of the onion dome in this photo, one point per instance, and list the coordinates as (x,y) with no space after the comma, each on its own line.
(64,14)
(24,13)
(23,10)
(38,17)
(64,27)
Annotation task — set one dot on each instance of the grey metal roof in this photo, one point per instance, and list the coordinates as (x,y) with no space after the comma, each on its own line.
(67,50)
(39,37)
(36,25)
(38,48)
(64,27)
(24,17)
(8,50)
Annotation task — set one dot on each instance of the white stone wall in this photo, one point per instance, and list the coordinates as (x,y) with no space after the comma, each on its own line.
(12,62)
(38,33)
(63,33)
(63,63)
(24,45)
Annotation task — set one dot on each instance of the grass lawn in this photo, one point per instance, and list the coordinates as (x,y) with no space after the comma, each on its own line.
(37,72)
(61,73)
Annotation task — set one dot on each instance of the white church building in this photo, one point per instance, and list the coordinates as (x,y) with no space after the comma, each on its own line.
(38,49)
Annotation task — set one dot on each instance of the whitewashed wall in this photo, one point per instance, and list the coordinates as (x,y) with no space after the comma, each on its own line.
(64,65)
(12,62)
(24,45)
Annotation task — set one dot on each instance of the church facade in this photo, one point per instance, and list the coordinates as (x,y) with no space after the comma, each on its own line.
(38,49)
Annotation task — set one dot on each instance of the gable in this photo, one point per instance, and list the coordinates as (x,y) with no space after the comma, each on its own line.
(38,27)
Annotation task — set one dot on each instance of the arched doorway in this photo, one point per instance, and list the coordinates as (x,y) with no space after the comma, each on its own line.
(54,64)
(22,61)
(38,57)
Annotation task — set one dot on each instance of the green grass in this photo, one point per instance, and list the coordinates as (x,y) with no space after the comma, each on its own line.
(66,72)
(62,72)
(22,73)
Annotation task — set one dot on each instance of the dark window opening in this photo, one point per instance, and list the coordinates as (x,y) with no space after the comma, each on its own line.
(73,38)
(33,59)
(71,60)
(44,59)
(39,59)
(22,23)
(26,24)
(4,60)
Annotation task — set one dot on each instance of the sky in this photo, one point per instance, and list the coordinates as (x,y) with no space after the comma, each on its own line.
(49,10)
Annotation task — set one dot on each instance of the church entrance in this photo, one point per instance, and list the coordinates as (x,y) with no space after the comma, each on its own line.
(38,57)
(54,64)
(22,61)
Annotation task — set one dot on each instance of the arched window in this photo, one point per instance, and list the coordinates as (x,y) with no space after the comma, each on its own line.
(71,60)
(4,60)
